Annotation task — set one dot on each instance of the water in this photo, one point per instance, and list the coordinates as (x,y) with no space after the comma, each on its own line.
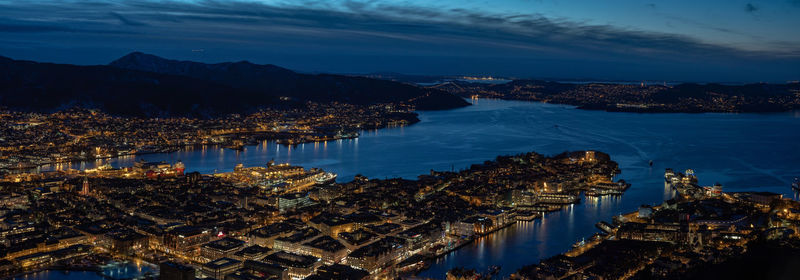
(744,152)
(114,270)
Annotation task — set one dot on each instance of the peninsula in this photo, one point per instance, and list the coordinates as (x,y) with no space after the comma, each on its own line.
(278,219)
(702,233)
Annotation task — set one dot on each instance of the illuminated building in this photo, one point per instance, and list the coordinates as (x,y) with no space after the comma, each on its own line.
(292,200)
(218,268)
(125,242)
(252,270)
(332,224)
(185,239)
(221,248)
(340,272)
(299,266)
(326,248)
(265,236)
(85,187)
(255,252)
(377,254)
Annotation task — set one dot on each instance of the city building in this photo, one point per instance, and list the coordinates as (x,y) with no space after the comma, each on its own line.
(175,271)
(218,268)
(221,248)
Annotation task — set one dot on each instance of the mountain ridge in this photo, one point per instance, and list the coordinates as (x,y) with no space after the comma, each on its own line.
(281,82)
(179,89)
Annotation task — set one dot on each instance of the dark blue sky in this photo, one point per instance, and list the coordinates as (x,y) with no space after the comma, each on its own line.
(719,40)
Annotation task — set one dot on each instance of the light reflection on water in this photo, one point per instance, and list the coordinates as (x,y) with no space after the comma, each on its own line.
(113,270)
(741,151)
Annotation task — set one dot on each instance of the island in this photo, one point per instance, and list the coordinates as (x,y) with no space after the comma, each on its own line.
(279,220)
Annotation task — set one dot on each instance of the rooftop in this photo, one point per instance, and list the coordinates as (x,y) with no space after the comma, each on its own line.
(225,244)
(221,263)
(326,243)
(291,260)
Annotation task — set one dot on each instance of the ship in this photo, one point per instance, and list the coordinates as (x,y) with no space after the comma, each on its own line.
(326,178)
(346,135)
(796,184)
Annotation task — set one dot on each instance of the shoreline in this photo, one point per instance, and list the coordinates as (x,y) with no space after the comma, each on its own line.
(96,268)
(613,109)
(174,149)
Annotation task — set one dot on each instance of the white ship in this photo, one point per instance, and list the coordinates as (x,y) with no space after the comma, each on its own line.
(326,178)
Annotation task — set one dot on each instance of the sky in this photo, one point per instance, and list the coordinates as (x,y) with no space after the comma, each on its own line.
(677,40)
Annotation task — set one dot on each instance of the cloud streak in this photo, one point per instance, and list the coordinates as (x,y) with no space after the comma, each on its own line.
(125,20)
(23,28)
(417,23)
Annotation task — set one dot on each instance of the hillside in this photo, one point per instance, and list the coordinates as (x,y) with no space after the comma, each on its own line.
(280,82)
(32,86)
(148,86)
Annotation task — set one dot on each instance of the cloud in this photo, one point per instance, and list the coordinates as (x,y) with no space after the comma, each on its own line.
(125,20)
(24,26)
(21,28)
(707,26)
(750,8)
(413,23)
(358,20)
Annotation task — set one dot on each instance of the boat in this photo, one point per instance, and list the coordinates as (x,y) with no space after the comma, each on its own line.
(493,270)
(526,215)
(796,184)
(579,244)
(235,147)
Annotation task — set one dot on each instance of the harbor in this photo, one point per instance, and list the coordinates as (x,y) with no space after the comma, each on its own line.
(668,140)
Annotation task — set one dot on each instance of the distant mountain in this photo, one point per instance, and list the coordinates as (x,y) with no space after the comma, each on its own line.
(33,86)
(275,81)
(686,98)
